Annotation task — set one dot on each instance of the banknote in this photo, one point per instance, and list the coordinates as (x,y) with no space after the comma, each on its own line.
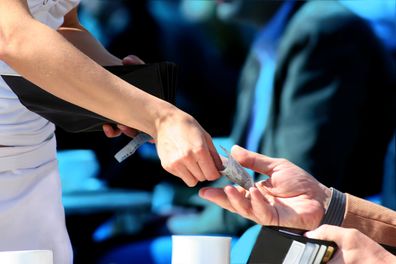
(235,172)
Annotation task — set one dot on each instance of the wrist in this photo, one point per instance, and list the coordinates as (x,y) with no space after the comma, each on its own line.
(152,113)
(328,192)
(323,197)
(168,115)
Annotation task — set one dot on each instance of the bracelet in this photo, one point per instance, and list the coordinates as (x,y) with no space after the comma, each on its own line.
(334,214)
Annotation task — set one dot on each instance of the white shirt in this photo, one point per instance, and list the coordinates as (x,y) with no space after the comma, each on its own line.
(31,211)
(18,125)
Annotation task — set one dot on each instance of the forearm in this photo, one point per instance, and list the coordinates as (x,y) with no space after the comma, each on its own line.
(87,44)
(377,222)
(44,57)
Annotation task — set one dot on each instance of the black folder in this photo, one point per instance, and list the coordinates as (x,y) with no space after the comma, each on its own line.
(289,246)
(158,79)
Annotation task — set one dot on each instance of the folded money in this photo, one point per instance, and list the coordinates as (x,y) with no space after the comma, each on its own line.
(235,172)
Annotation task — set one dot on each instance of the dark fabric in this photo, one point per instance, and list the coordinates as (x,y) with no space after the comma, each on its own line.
(332,107)
(246,91)
(388,198)
(158,79)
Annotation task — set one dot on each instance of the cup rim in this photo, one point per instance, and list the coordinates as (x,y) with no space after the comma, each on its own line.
(25,251)
(203,237)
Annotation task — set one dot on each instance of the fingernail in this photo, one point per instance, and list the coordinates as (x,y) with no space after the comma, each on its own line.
(247,195)
(234,148)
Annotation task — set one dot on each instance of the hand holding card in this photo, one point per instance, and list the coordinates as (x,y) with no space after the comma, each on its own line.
(288,246)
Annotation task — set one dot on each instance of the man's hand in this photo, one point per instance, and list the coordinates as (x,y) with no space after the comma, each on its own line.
(290,197)
(111,131)
(353,246)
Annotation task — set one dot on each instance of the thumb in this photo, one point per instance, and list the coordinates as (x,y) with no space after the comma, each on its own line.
(257,162)
(326,232)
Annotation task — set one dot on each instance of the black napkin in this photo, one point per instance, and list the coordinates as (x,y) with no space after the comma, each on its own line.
(158,79)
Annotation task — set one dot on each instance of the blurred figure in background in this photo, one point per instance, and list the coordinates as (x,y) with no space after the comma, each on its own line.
(328,88)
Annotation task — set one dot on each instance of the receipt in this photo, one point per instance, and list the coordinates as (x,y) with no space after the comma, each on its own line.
(132,146)
(235,172)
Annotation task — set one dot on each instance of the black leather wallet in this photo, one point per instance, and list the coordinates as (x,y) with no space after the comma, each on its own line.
(288,246)
(158,79)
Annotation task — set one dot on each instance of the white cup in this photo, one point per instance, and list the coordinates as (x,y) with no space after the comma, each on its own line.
(200,249)
(26,257)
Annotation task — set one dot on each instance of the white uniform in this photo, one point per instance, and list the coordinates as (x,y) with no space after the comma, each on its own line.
(31,211)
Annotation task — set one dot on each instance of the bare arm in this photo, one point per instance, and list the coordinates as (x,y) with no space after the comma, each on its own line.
(81,38)
(44,57)
(75,33)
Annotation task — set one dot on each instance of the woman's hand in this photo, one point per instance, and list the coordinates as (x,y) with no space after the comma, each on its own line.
(111,131)
(186,149)
(353,246)
(290,197)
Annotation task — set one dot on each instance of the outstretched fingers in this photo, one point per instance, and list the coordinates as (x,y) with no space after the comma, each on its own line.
(264,212)
(254,206)
(217,196)
(238,200)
